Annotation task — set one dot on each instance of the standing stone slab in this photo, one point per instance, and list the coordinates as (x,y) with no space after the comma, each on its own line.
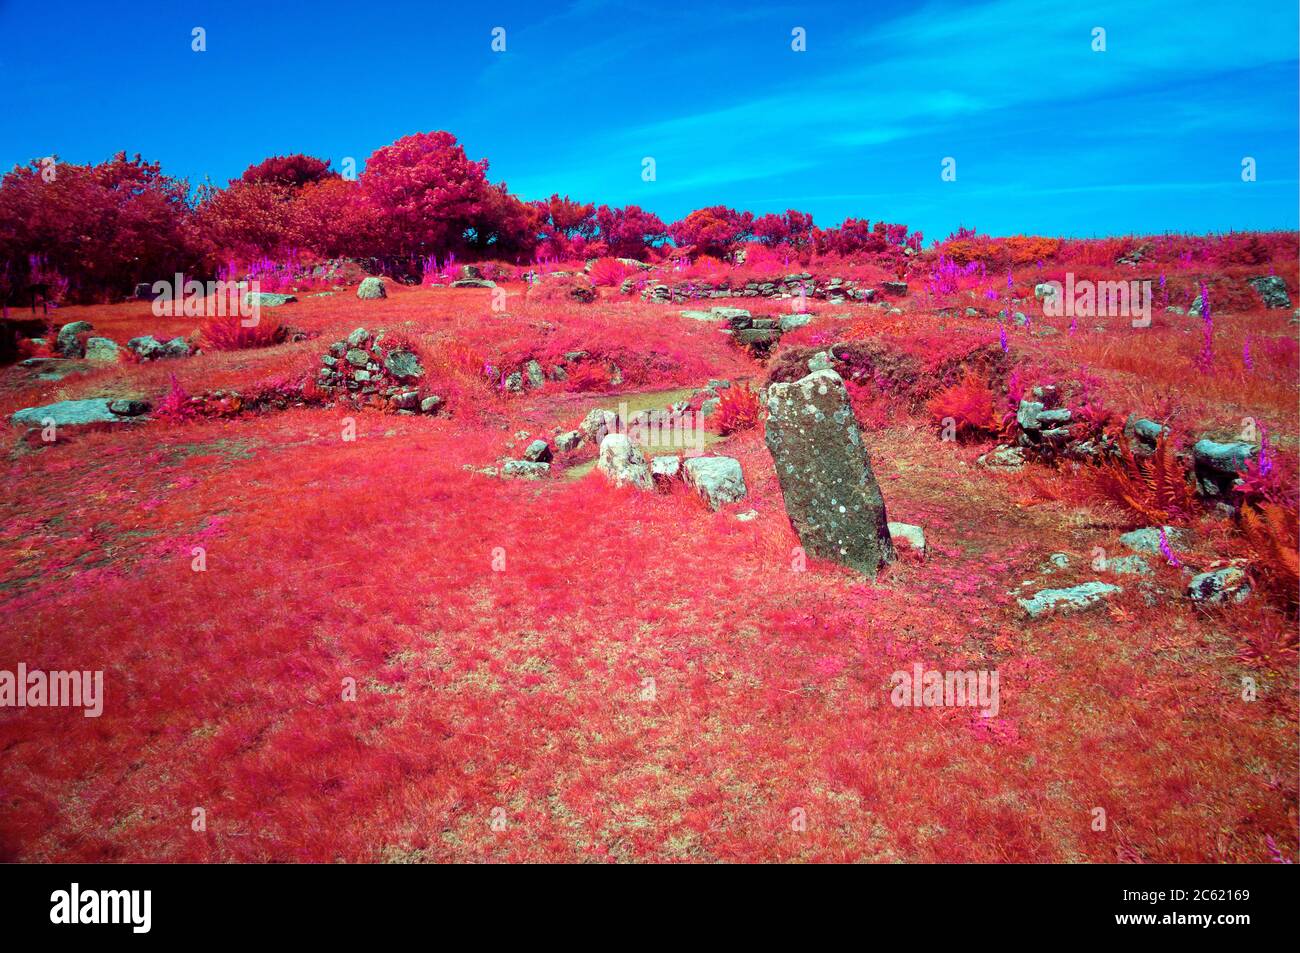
(831,495)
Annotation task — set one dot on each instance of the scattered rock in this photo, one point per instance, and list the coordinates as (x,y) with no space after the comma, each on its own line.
(665,469)
(539,451)
(128,407)
(831,494)
(1147,539)
(403,365)
(430,404)
(1217,465)
(718,480)
(101,350)
(791,321)
(263,299)
(1003,457)
(623,462)
(912,536)
(597,424)
(525,469)
(821,361)
(1272,291)
(1128,566)
(371,288)
(1074,599)
(69,413)
(176,347)
(568,441)
(1228,584)
(67,343)
(146,348)
(1225,458)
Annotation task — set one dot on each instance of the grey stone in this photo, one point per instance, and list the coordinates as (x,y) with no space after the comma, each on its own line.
(514,382)
(1128,566)
(68,413)
(539,451)
(1225,458)
(1074,599)
(430,404)
(718,480)
(821,361)
(265,299)
(403,365)
(101,350)
(623,462)
(535,376)
(357,357)
(912,536)
(1027,414)
(128,407)
(597,424)
(791,321)
(1220,586)
(664,469)
(525,469)
(371,289)
(358,338)
(1148,430)
(831,494)
(66,343)
(568,441)
(758,336)
(1147,539)
(176,347)
(1272,291)
(1059,416)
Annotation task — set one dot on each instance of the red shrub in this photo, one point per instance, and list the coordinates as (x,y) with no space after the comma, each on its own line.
(737,409)
(230,334)
(968,405)
(609,272)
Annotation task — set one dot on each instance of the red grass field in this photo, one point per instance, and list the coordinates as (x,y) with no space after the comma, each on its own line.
(499,712)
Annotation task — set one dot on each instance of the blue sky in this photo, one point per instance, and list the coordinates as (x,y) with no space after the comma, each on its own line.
(1049,136)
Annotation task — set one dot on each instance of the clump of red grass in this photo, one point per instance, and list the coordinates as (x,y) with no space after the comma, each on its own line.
(737,408)
(967,405)
(229,333)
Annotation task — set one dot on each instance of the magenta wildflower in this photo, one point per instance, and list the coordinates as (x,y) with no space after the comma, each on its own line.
(1167,551)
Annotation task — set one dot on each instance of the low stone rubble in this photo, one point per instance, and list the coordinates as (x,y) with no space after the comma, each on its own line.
(364,369)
